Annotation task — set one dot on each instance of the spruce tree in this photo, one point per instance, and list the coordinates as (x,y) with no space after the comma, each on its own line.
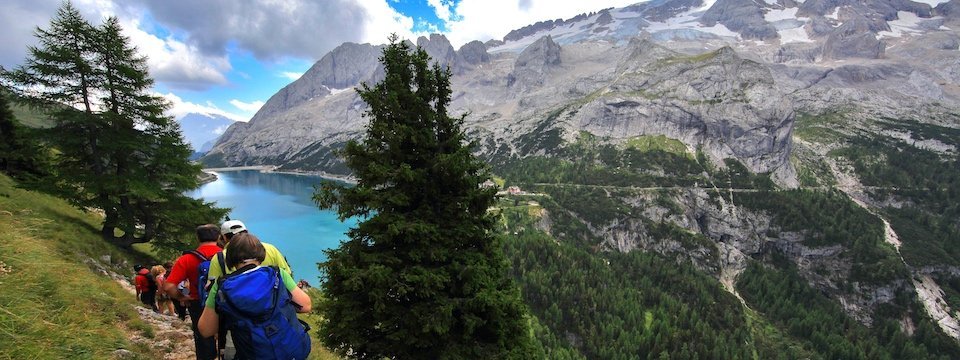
(118,151)
(422,275)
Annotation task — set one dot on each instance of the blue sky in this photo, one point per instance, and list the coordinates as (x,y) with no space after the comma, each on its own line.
(227,57)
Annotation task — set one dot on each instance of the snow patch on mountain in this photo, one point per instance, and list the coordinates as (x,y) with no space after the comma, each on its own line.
(835,15)
(335,91)
(774,15)
(794,35)
(690,20)
(932,3)
(907,23)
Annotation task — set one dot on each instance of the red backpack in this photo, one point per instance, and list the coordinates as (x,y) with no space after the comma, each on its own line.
(144,281)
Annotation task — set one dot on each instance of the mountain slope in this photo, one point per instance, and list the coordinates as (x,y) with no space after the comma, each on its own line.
(758,142)
(55,303)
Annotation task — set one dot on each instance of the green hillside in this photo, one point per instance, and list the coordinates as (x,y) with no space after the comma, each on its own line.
(53,304)
(30,117)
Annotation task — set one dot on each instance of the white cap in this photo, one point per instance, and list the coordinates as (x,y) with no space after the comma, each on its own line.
(232,227)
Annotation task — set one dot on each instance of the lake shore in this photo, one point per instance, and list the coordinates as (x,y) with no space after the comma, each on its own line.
(273,169)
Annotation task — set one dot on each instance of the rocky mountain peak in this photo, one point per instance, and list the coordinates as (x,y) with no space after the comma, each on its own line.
(534,62)
(743,16)
(543,52)
(440,50)
(345,66)
(474,52)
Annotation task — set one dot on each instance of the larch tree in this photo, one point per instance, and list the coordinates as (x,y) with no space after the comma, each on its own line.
(117,150)
(422,275)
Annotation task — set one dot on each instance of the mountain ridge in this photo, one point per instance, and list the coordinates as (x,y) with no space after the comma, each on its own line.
(755,99)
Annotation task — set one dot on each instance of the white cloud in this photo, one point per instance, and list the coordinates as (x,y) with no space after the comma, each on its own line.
(181,108)
(220,130)
(382,20)
(250,107)
(492,19)
(176,63)
(442,9)
(291,75)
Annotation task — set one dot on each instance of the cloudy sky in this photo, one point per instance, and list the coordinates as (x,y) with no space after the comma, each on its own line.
(228,57)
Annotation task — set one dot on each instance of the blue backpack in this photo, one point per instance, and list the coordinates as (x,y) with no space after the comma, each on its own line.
(204,274)
(259,312)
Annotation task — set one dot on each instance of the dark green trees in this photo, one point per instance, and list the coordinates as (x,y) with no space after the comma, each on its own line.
(117,150)
(422,276)
(20,155)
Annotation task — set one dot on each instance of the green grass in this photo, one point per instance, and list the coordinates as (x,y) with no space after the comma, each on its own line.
(647,143)
(820,128)
(317,352)
(53,305)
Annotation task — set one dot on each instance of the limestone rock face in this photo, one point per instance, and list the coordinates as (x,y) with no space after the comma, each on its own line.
(743,16)
(534,62)
(853,39)
(343,67)
(720,101)
(440,51)
(474,53)
(661,11)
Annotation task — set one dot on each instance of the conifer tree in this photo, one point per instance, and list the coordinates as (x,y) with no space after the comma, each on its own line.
(20,155)
(118,151)
(422,276)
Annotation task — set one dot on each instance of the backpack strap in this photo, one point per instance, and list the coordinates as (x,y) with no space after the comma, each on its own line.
(197,254)
(223,266)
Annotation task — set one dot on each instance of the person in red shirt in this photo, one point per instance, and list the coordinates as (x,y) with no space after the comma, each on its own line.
(186,268)
(140,280)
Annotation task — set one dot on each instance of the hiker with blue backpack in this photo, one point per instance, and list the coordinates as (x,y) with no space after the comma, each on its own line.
(193,266)
(273,257)
(258,304)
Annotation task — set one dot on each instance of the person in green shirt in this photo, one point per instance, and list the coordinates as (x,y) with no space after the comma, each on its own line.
(228,230)
(246,259)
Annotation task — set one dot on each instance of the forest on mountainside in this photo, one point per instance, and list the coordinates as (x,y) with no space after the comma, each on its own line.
(592,190)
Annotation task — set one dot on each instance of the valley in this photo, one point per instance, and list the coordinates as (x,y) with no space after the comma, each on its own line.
(769,152)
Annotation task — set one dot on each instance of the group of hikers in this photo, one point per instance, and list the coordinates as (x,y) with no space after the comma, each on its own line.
(232,283)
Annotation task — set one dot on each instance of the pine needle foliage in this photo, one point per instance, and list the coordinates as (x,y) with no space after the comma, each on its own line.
(422,276)
(117,150)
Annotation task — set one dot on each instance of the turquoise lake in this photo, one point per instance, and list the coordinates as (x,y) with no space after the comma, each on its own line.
(278,209)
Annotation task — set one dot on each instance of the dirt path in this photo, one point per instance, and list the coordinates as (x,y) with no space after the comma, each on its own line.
(172,337)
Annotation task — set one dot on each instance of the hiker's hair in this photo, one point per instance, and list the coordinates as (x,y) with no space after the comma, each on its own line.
(245,246)
(156,270)
(208,232)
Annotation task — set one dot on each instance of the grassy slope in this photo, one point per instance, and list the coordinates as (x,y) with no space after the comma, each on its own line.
(53,305)
(30,117)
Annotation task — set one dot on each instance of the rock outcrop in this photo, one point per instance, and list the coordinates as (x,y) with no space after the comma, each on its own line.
(719,101)
(474,53)
(853,39)
(531,67)
(440,51)
(343,67)
(742,16)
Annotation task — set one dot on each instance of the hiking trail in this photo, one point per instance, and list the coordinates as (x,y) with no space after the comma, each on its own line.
(172,337)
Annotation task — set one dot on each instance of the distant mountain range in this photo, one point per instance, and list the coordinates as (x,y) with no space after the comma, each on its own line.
(813,140)
(201,131)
